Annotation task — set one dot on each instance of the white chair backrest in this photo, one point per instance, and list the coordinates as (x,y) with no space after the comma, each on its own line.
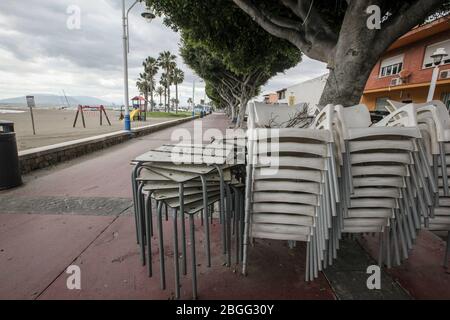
(405,116)
(436,111)
(394,105)
(324,120)
(353,117)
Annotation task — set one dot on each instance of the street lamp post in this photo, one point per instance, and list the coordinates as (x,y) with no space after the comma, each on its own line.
(438,57)
(125,13)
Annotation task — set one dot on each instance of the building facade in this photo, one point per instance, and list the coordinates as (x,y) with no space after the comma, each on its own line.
(404,72)
(308,92)
(271,98)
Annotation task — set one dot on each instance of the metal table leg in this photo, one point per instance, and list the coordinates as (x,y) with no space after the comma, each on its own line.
(161,247)
(206,224)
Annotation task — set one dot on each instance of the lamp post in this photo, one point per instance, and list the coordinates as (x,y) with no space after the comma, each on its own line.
(125,13)
(438,56)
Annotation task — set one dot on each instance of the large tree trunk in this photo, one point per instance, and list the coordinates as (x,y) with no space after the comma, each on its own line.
(232,113)
(347,80)
(351,62)
(242,110)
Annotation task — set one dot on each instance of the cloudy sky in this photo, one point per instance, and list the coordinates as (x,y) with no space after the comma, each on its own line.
(39,53)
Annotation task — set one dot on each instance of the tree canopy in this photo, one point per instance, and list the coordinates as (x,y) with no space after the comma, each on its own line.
(227,35)
(337,32)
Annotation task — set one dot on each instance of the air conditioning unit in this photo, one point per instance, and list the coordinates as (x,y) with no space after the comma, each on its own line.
(396,82)
(445,74)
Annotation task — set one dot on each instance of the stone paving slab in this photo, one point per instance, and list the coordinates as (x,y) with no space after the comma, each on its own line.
(348,276)
(63,205)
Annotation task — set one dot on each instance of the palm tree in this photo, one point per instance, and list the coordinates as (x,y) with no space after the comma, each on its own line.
(143,86)
(163,82)
(178,78)
(151,68)
(160,92)
(167,62)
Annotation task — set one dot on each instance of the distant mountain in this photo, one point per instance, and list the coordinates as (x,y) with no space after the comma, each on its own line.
(51,100)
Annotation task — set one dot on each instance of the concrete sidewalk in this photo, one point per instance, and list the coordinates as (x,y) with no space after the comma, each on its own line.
(80,213)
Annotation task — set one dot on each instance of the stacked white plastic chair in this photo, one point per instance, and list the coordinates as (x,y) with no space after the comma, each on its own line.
(376,164)
(433,121)
(290,190)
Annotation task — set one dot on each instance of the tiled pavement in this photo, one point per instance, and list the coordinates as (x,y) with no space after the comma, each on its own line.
(80,213)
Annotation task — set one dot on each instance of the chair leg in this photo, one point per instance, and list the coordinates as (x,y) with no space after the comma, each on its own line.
(388,247)
(141,220)
(134,186)
(444,169)
(447,251)
(175,254)
(193,257)
(183,230)
(381,251)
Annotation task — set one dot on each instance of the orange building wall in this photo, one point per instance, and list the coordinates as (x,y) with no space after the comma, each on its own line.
(414,55)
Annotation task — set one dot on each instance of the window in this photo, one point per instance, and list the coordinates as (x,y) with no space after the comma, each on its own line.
(391,66)
(428,61)
(282,95)
(446,99)
(381,104)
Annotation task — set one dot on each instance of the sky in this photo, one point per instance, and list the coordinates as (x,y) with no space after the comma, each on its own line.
(45,49)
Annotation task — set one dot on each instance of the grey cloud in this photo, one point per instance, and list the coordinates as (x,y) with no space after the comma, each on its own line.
(38,51)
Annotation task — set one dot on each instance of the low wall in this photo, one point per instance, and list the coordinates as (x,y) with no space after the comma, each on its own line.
(39,158)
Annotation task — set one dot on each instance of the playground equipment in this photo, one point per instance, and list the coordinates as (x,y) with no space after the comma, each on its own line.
(139,112)
(81,109)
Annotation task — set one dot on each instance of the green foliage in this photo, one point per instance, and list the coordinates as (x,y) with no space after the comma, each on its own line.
(229,34)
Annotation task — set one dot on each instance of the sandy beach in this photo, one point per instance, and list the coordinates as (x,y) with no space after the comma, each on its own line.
(55,126)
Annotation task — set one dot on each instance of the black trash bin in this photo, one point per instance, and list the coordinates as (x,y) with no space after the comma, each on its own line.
(10,176)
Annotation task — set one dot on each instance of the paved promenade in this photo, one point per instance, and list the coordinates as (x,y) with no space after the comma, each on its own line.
(79,213)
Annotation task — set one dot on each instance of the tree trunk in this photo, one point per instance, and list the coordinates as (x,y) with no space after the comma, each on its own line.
(168,98)
(242,109)
(145,106)
(176,102)
(346,82)
(165,99)
(151,101)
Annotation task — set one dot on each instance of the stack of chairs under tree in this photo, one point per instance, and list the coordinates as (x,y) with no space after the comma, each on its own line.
(291,185)
(380,170)
(184,181)
(432,119)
